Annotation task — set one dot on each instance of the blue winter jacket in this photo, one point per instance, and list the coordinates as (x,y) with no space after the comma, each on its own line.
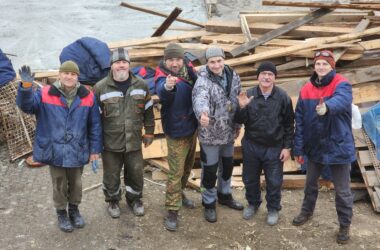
(7,72)
(65,137)
(325,139)
(92,57)
(177,115)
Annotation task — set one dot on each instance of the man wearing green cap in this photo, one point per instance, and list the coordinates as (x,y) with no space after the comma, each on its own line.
(68,135)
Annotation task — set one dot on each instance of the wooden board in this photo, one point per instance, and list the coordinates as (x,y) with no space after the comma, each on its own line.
(321,4)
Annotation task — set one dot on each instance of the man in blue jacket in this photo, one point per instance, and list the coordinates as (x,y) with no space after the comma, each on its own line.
(68,135)
(324,134)
(175,78)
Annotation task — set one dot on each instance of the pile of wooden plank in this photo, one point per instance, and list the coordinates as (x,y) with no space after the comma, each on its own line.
(288,39)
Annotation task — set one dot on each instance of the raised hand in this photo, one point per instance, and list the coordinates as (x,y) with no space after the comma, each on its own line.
(26,76)
(170,82)
(243,99)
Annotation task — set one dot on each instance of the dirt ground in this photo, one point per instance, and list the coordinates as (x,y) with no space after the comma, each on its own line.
(28,220)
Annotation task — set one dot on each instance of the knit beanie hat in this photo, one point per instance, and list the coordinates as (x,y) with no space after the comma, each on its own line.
(69,66)
(267,66)
(173,50)
(214,52)
(326,55)
(119,54)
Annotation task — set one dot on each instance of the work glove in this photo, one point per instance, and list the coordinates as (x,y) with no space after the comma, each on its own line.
(321,107)
(95,166)
(26,76)
(147,140)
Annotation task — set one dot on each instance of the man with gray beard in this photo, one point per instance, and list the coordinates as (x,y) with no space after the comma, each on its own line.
(126,108)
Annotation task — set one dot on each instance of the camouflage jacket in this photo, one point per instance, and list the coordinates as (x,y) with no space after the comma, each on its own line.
(209,96)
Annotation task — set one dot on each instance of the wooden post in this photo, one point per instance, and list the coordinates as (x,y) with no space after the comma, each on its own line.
(168,21)
(131,6)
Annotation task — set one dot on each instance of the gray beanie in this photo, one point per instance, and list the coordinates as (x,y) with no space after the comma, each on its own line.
(173,50)
(214,52)
(119,54)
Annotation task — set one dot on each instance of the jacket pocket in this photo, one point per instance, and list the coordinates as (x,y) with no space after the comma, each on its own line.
(84,153)
(111,107)
(139,103)
(44,150)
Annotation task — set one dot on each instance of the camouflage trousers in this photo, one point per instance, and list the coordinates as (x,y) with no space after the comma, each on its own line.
(181,157)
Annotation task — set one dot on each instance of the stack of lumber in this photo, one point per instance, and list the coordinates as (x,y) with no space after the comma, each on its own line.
(288,39)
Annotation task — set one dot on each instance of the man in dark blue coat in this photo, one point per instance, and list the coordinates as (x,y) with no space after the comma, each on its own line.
(175,78)
(324,134)
(68,135)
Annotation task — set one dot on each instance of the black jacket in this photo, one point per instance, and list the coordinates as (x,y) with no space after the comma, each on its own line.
(268,122)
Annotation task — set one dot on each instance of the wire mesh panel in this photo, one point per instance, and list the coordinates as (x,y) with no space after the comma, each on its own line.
(17,128)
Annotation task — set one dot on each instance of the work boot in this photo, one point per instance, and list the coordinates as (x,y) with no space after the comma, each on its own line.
(138,208)
(187,202)
(75,217)
(343,235)
(171,220)
(249,212)
(301,219)
(272,217)
(229,201)
(210,214)
(63,221)
(114,209)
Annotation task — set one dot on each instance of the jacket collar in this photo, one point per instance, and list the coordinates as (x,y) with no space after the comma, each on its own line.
(257,92)
(326,80)
(82,91)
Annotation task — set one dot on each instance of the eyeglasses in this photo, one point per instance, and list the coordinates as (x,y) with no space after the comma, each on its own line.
(323,53)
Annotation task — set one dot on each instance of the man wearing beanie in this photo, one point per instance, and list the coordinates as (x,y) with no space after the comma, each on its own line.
(215,102)
(175,79)
(126,108)
(68,135)
(268,117)
(324,135)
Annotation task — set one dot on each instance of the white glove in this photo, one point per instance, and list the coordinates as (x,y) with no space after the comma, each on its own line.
(321,109)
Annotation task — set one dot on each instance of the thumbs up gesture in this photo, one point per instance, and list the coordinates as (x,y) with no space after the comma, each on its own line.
(243,99)
(170,82)
(321,107)
(205,120)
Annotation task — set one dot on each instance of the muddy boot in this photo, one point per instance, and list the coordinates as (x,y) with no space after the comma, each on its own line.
(114,209)
(249,212)
(171,220)
(63,221)
(272,218)
(210,214)
(75,217)
(187,203)
(138,208)
(300,219)
(343,235)
(229,201)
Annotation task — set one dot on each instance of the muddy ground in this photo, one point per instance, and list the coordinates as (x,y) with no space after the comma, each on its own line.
(28,220)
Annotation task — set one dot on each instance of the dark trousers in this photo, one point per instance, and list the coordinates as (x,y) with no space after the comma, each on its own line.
(343,196)
(67,186)
(113,163)
(257,158)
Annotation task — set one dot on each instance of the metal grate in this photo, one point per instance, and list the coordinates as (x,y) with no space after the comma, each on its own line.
(17,127)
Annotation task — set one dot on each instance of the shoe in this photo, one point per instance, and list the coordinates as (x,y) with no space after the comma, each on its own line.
(114,209)
(63,221)
(210,214)
(138,208)
(272,218)
(231,204)
(171,220)
(300,219)
(187,203)
(343,235)
(75,217)
(249,212)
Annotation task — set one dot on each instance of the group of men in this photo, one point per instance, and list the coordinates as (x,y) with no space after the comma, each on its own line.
(208,104)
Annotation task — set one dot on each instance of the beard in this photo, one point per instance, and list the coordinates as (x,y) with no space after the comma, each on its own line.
(121,75)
